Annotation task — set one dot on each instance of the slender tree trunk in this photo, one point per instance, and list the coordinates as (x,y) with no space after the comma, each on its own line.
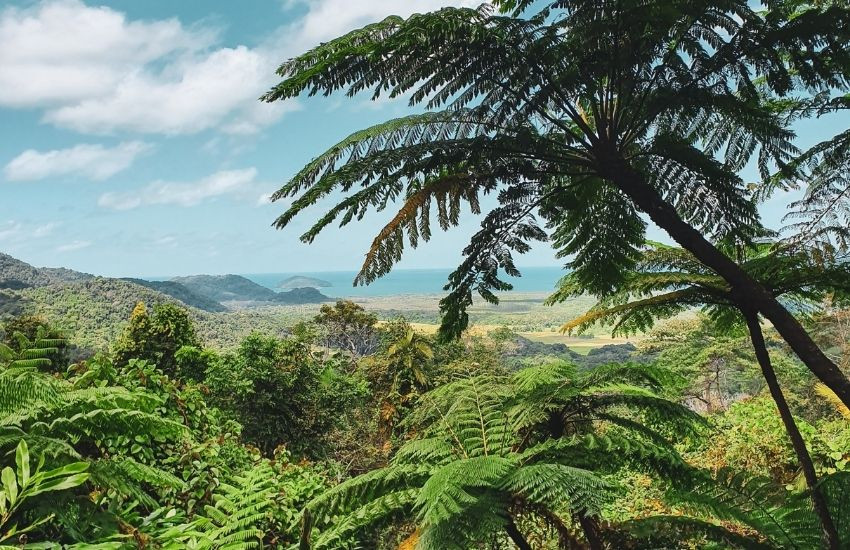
(517,537)
(746,291)
(830,534)
(591,530)
(305,541)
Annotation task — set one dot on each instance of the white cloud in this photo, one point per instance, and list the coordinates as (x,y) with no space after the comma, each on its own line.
(92,70)
(264,199)
(218,89)
(92,161)
(74,245)
(14,231)
(64,51)
(182,193)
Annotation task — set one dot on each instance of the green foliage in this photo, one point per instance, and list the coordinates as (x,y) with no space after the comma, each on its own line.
(743,511)
(750,437)
(347,326)
(584,114)
(475,463)
(23,483)
(239,505)
(31,343)
(554,400)
(281,393)
(192,363)
(156,338)
(410,353)
(716,368)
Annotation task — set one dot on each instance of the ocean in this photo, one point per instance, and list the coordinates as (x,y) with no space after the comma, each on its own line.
(407,281)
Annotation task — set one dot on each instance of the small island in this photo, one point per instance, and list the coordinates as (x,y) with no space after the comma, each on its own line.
(300,281)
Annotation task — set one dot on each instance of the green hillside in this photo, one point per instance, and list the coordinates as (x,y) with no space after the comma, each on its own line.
(180,292)
(235,288)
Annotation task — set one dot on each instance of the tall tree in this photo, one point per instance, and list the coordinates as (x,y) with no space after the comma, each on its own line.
(669,280)
(158,337)
(585,113)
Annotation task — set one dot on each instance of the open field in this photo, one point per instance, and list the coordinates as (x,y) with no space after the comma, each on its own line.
(521,312)
(578,344)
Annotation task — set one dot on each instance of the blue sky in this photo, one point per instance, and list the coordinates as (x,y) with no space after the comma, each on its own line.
(133,143)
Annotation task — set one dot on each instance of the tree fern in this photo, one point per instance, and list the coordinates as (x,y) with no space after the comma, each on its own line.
(748,512)
(579,117)
(472,468)
(554,399)
(668,281)
(240,508)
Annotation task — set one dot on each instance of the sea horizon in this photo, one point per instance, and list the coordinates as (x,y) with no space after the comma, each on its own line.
(412,281)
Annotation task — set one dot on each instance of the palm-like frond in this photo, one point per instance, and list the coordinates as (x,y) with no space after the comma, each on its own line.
(553,398)
(548,108)
(749,512)
(821,219)
(669,281)
(472,460)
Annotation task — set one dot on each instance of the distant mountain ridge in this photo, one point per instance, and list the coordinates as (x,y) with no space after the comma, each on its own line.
(204,292)
(16,274)
(235,288)
(92,310)
(180,292)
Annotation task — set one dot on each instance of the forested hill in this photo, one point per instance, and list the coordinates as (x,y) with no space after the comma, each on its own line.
(15,274)
(18,275)
(181,293)
(234,288)
(91,310)
(205,292)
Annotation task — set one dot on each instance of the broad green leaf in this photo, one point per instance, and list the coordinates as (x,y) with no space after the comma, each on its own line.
(10,485)
(68,469)
(61,484)
(22,459)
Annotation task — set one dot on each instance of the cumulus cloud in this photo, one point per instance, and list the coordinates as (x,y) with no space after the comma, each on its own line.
(73,245)
(181,193)
(219,89)
(92,70)
(64,51)
(92,161)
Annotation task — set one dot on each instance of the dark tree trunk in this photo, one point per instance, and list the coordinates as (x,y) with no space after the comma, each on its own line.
(305,541)
(830,535)
(516,536)
(747,292)
(591,530)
